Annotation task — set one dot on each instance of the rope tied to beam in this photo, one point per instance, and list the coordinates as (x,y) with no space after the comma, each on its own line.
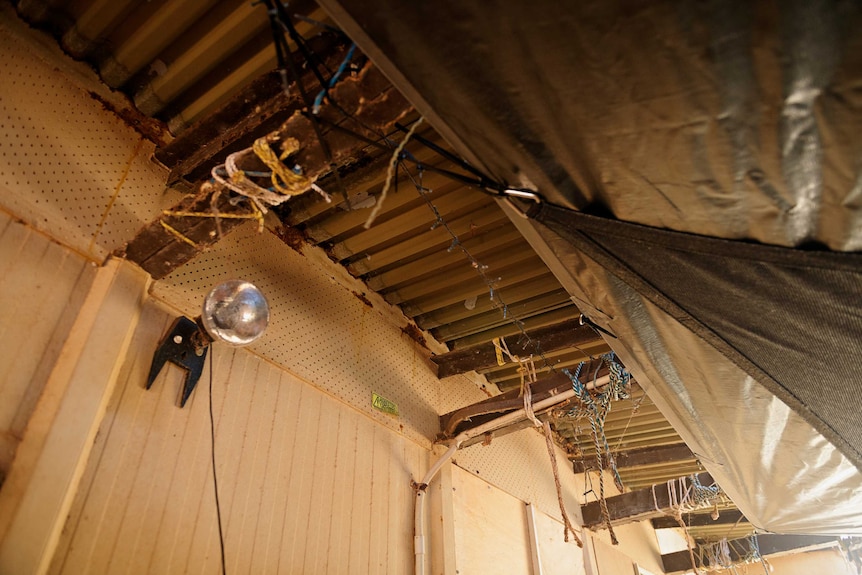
(687,494)
(717,556)
(287,182)
(595,407)
(527,371)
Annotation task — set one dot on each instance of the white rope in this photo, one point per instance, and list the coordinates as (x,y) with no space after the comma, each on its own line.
(390,173)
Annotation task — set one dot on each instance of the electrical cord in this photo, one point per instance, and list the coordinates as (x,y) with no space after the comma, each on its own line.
(215,479)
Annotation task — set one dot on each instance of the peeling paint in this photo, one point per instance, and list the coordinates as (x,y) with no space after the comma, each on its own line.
(363,298)
(414,333)
(292,237)
(150,128)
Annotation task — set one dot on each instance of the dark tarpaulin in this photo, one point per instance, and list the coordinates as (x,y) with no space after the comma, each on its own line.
(750,351)
(792,319)
(725,119)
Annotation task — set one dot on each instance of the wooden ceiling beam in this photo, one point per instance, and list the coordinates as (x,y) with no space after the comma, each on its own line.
(562,335)
(633,506)
(258,109)
(768,544)
(726,517)
(172,240)
(638,457)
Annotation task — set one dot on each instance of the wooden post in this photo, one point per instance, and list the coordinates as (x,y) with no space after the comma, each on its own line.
(41,485)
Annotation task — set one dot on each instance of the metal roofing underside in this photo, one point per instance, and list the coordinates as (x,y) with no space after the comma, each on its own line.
(180,62)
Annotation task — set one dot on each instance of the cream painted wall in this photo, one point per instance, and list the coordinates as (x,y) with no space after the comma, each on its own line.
(307,484)
(42,286)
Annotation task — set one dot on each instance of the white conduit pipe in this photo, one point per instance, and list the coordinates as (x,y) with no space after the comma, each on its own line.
(419,546)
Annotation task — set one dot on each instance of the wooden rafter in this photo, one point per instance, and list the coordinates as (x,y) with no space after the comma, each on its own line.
(635,505)
(562,335)
(367,96)
(726,517)
(638,457)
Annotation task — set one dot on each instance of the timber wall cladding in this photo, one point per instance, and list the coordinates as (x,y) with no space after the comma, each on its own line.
(42,286)
(307,484)
(492,535)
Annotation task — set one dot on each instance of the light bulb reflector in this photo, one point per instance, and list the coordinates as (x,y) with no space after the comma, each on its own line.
(235,312)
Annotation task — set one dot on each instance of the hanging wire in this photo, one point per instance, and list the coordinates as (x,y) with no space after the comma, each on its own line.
(280,22)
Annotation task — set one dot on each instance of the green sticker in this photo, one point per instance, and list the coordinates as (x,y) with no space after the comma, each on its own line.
(381,403)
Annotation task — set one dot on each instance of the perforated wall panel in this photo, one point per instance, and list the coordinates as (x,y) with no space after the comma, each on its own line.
(519,464)
(69,166)
(323,329)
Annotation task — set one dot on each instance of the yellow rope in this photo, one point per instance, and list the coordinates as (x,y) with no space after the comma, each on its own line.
(258,215)
(284,180)
(177,234)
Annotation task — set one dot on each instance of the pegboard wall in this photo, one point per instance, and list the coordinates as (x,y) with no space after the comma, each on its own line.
(519,464)
(68,166)
(326,332)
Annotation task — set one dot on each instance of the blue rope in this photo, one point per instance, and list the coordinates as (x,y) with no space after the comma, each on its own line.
(318,101)
(596,408)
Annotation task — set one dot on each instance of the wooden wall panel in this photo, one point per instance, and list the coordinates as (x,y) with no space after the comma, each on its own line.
(492,535)
(610,560)
(307,484)
(558,557)
(491,530)
(42,286)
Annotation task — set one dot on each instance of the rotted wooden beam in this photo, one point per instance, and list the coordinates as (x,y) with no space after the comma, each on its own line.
(559,336)
(367,96)
(258,109)
(637,457)
(633,506)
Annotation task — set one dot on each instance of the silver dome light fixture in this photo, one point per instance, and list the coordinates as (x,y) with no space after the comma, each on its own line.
(234,312)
